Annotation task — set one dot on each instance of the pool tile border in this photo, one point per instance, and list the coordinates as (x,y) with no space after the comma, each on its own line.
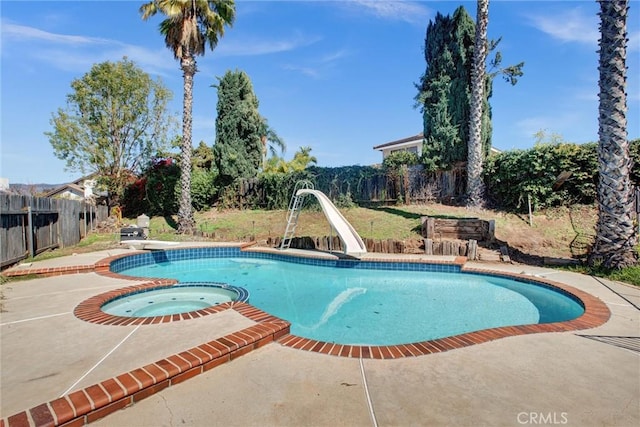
(84,406)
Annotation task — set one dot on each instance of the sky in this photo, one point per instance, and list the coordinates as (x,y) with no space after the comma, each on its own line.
(336,76)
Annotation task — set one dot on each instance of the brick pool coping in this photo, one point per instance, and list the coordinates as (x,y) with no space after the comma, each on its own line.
(99,400)
(595,314)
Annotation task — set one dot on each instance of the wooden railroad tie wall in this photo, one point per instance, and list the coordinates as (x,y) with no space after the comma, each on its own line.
(458,228)
(456,236)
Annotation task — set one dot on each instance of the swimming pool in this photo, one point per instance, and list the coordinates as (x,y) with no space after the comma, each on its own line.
(363,302)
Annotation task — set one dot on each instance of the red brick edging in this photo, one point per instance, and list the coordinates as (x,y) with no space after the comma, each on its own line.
(99,400)
(90,310)
(595,314)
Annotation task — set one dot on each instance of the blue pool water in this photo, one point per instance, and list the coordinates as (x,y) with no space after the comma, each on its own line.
(180,298)
(366,302)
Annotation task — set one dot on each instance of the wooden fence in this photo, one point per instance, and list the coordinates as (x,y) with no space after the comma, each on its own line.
(31,225)
(413,186)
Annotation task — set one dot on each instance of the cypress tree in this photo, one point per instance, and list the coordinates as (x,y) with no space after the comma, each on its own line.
(445,91)
(239,129)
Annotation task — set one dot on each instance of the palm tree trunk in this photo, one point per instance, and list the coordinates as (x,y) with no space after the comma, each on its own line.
(186,221)
(615,234)
(475,185)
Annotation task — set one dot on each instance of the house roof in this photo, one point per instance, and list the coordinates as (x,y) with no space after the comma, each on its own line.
(71,187)
(415,138)
(76,187)
(80,181)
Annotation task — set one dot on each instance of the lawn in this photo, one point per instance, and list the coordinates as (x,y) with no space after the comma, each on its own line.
(559,233)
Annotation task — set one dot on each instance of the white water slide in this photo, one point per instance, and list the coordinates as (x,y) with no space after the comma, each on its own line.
(353,244)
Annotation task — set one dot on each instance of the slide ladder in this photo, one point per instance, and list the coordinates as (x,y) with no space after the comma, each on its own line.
(295,206)
(352,242)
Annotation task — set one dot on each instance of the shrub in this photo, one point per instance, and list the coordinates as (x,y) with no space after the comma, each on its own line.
(203,189)
(514,175)
(162,187)
(154,193)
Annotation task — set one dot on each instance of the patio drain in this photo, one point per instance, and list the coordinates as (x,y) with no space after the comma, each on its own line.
(630,343)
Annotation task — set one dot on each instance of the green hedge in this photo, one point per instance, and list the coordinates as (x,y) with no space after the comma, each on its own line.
(512,176)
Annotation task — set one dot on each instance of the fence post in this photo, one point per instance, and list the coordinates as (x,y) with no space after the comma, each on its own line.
(30,235)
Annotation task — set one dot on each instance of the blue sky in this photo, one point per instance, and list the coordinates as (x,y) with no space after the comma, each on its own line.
(337,76)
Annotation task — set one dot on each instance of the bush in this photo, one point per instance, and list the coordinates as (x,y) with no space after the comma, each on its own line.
(162,189)
(278,187)
(513,175)
(154,193)
(134,200)
(203,189)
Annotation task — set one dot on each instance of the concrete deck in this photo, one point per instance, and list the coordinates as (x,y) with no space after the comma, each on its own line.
(580,378)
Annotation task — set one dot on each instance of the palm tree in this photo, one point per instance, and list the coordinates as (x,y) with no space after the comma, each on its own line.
(475,186)
(271,141)
(615,232)
(302,159)
(188,27)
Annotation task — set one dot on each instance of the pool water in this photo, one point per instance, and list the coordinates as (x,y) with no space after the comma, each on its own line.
(169,300)
(374,307)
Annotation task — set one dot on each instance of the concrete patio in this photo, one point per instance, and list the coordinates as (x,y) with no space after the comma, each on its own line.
(583,378)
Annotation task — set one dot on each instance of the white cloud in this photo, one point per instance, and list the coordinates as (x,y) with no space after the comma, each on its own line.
(254,47)
(307,71)
(24,33)
(571,25)
(407,11)
(320,65)
(334,56)
(77,53)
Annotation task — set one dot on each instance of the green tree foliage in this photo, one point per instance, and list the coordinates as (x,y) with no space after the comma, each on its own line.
(202,157)
(114,122)
(271,143)
(513,175)
(444,90)
(302,159)
(203,188)
(395,164)
(162,186)
(397,159)
(278,187)
(203,177)
(240,129)
(155,192)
